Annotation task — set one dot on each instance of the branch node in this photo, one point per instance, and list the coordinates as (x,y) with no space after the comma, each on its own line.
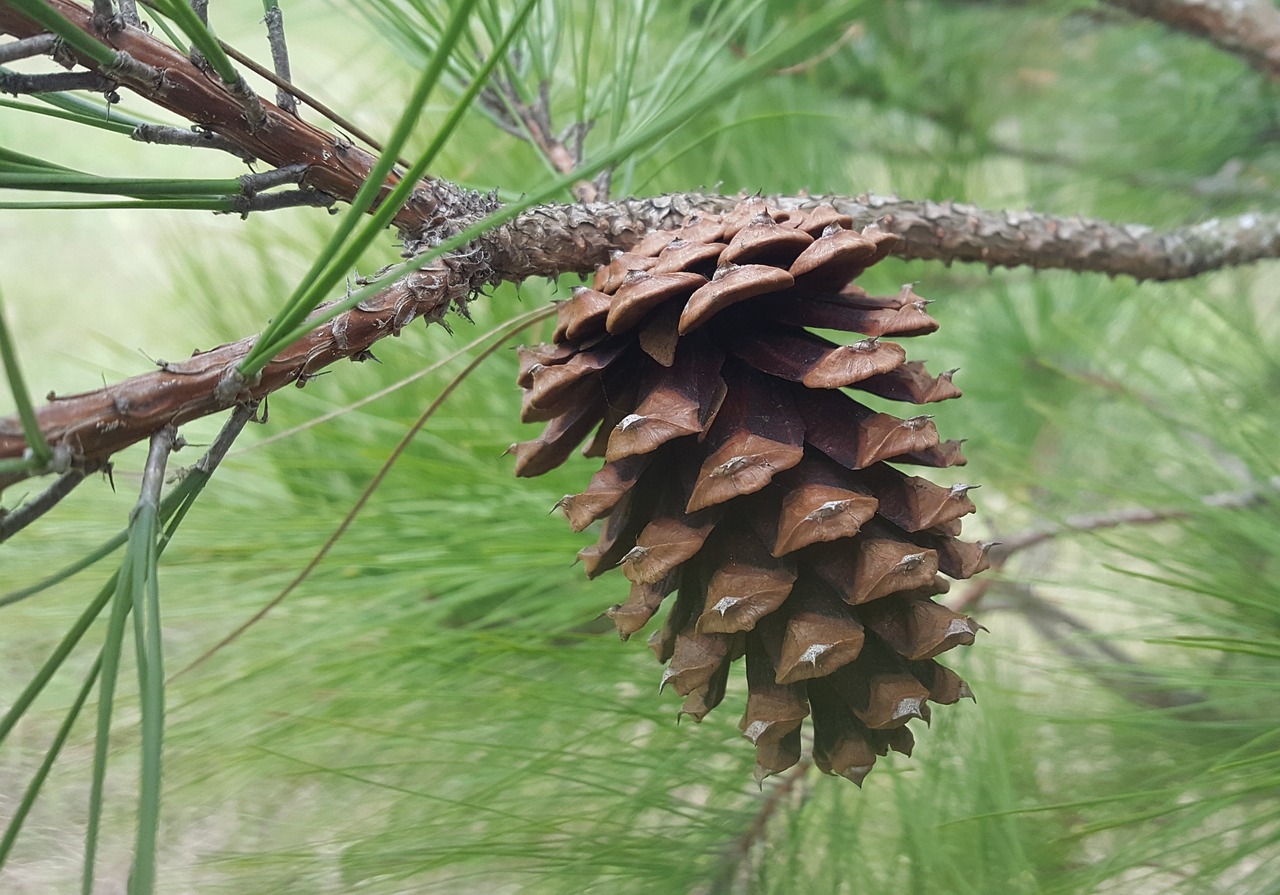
(126,69)
(234,387)
(196,136)
(250,104)
(106,23)
(252,184)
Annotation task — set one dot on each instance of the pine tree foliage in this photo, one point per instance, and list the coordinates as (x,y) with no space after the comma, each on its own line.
(438,706)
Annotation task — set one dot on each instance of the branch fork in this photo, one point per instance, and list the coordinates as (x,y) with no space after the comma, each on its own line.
(545,241)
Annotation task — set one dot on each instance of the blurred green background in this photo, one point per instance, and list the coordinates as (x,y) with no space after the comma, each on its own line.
(438,708)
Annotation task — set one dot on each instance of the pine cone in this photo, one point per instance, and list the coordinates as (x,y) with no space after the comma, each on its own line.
(741,476)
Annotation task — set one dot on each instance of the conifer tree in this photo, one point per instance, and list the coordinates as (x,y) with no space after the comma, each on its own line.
(327,637)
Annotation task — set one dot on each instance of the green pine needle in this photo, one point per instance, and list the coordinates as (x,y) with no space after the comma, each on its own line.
(201,37)
(41,453)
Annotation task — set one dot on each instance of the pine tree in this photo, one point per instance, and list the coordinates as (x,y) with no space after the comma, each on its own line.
(345,675)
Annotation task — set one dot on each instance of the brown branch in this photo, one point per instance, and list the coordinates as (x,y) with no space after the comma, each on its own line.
(1131,516)
(574,237)
(1248,28)
(934,231)
(96,424)
(334,165)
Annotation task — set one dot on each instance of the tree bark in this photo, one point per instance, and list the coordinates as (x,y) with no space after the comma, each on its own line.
(553,239)
(96,424)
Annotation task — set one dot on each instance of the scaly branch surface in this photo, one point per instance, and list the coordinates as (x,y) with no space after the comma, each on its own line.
(96,424)
(557,238)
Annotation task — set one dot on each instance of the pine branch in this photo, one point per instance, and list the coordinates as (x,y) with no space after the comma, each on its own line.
(1131,516)
(13,522)
(22,84)
(274,21)
(933,231)
(945,232)
(39,45)
(334,165)
(1249,29)
(557,238)
(166,135)
(97,424)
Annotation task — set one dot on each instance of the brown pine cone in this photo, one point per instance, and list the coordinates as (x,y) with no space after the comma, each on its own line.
(741,476)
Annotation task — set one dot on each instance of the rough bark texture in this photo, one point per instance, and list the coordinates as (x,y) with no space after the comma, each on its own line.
(1248,28)
(558,238)
(96,424)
